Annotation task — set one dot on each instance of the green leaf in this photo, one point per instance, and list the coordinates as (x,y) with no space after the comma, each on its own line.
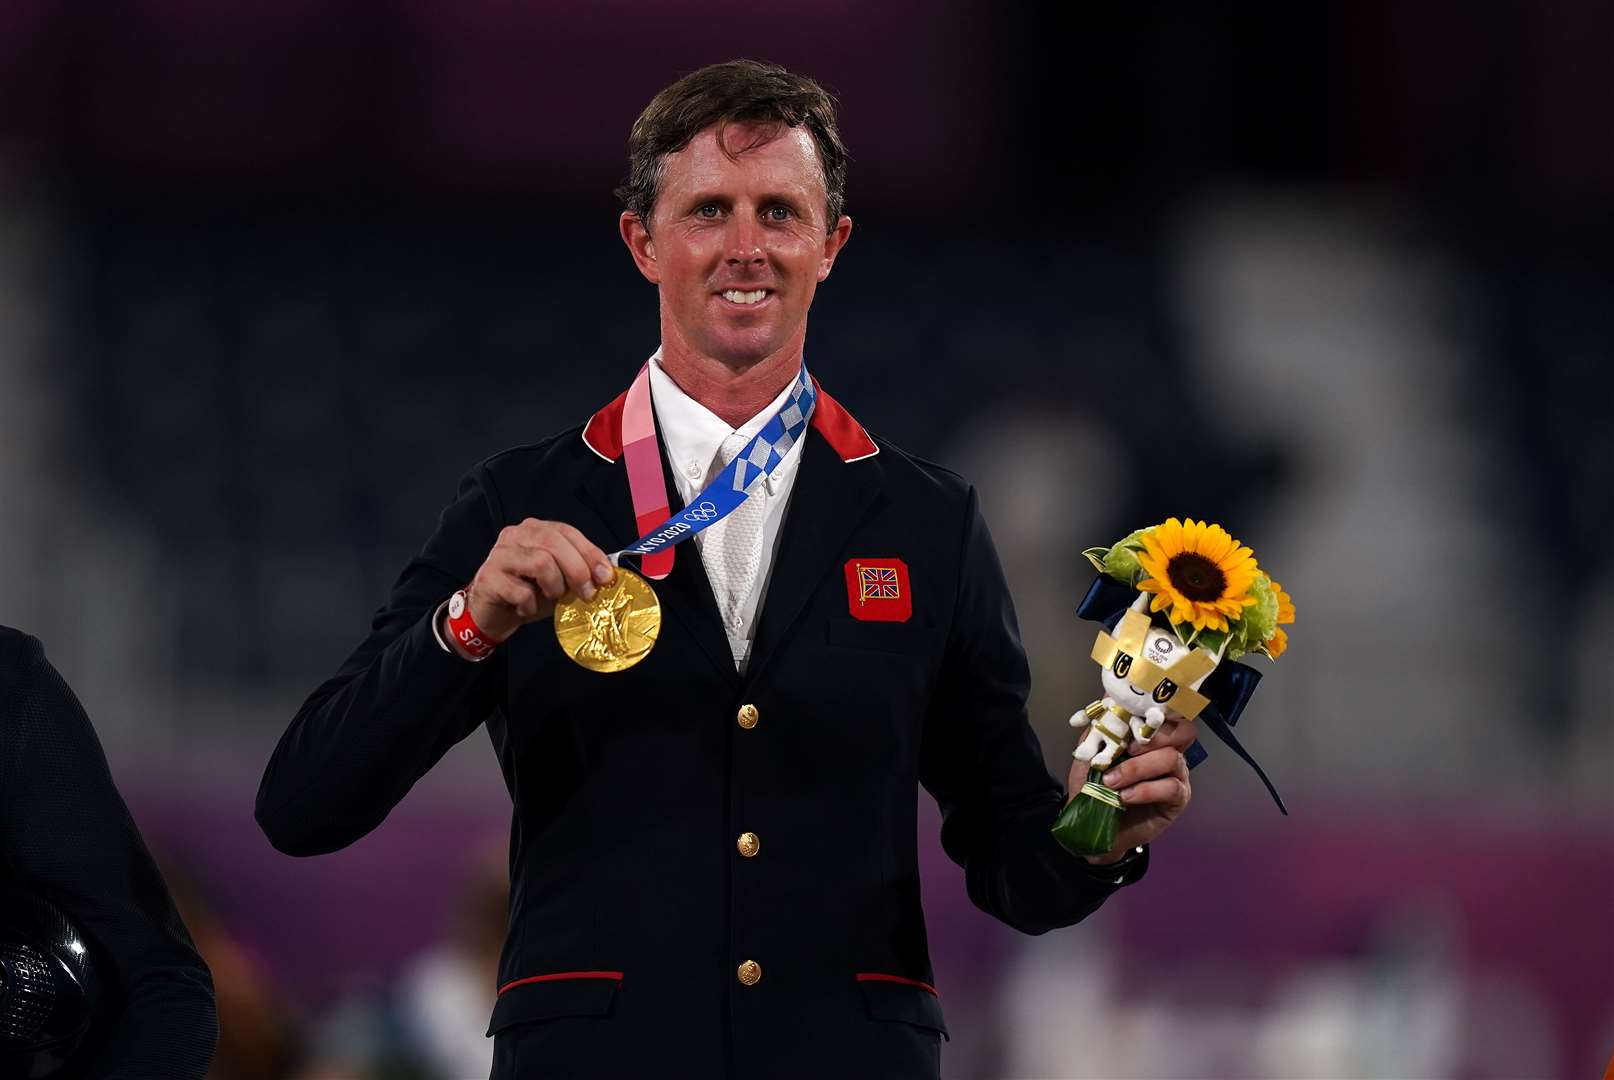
(1246,633)
(1261,618)
(1087,826)
(1121,561)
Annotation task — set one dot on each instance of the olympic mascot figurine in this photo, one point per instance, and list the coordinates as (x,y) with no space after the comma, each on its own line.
(1181,601)
(1169,672)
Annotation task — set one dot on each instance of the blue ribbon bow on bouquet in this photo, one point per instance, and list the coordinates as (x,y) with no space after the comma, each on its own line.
(1228,688)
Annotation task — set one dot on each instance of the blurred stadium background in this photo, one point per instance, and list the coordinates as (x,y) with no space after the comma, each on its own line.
(1339,276)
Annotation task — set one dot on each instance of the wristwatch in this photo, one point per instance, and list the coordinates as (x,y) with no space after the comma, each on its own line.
(1118,871)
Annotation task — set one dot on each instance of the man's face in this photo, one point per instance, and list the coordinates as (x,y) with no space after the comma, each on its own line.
(738,245)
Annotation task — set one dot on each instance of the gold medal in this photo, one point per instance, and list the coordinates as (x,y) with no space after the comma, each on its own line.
(614,630)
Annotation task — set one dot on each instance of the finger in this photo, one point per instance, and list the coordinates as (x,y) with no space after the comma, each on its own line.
(541,569)
(1154,742)
(1181,733)
(1146,766)
(1171,792)
(579,578)
(558,538)
(517,593)
(494,595)
(598,564)
(1173,733)
(526,534)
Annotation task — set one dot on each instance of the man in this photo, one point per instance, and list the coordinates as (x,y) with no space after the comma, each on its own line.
(66,837)
(713,868)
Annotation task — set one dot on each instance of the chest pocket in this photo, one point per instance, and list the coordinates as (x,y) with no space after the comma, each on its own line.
(905,639)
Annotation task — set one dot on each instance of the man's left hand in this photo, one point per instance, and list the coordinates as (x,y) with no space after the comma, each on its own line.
(1152,783)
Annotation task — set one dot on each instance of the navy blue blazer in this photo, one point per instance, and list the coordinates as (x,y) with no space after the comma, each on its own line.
(645,937)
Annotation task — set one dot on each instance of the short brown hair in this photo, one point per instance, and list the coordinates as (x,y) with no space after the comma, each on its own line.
(740,90)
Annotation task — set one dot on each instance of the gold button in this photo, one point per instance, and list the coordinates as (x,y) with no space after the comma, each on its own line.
(749,973)
(748,716)
(748,844)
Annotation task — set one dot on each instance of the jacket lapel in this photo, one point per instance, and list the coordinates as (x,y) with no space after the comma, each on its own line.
(685,592)
(830,499)
(604,491)
(689,592)
(832,495)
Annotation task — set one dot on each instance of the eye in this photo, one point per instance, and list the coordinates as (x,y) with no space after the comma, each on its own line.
(1122,665)
(779,213)
(709,211)
(1163,692)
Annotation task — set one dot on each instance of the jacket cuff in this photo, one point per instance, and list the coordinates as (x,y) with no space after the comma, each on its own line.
(1125,871)
(436,655)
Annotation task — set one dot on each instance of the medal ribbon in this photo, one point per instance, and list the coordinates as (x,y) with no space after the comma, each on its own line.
(646,482)
(727,491)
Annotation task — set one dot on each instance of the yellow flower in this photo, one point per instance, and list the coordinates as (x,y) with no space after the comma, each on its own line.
(1286,605)
(1278,642)
(1198,571)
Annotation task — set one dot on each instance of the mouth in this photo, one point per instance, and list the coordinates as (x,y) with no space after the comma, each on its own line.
(746,299)
(1134,689)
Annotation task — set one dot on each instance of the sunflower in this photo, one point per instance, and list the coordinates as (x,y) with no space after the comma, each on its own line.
(1275,644)
(1286,605)
(1198,571)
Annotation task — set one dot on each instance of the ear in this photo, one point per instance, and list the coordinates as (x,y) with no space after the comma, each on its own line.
(834,240)
(640,245)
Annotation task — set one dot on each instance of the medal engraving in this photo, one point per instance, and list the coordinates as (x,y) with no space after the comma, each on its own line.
(614,630)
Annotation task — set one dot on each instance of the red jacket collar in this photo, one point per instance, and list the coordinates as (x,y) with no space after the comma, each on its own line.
(603,432)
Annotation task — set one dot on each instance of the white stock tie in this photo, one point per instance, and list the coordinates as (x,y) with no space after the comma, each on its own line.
(732,554)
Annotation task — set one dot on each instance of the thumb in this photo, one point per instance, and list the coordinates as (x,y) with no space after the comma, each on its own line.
(1077,777)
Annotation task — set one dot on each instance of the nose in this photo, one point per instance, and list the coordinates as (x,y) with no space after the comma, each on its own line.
(744,242)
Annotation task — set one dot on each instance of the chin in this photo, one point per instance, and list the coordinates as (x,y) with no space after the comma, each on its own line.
(743,351)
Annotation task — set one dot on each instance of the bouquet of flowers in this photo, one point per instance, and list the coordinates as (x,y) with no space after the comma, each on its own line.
(1182,601)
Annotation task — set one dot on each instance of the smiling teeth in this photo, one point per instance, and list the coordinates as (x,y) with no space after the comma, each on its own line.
(735,296)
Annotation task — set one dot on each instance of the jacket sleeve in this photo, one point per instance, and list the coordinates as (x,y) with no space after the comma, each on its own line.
(66,834)
(982,763)
(396,706)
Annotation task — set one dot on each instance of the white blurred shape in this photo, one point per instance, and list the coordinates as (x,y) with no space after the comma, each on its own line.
(1319,324)
(446,997)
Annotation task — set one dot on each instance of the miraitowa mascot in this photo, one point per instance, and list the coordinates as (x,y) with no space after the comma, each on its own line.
(1149,676)
(1179,603)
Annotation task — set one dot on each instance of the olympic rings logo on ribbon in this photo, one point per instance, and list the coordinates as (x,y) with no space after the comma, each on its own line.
(726,491)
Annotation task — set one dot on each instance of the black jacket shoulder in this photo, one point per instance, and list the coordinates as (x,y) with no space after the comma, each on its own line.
(509,476)
(903,467)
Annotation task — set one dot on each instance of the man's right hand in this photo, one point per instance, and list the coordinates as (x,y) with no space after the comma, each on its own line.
(533,565)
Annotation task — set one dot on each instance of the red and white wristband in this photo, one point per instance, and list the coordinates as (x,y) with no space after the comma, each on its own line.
(463,629)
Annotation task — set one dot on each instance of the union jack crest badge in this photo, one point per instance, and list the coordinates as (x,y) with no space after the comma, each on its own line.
(877,590)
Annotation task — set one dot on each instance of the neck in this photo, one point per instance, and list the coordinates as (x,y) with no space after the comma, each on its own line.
(733,392)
